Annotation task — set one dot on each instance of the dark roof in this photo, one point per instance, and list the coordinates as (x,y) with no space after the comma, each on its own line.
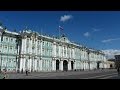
(111,59)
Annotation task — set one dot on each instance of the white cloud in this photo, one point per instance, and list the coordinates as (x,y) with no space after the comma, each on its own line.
(96,30)
(110,53)
(109,40)
(65,18)
(87,34)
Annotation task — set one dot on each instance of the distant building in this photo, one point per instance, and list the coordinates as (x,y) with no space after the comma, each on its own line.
(111,63)
(35,52)
(117,60)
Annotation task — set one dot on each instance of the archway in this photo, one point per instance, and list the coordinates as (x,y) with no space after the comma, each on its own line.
(65,65)
(98,65)
(72,65)
(57,64)
(111,66)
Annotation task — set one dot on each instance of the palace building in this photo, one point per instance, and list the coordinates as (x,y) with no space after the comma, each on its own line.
(35,52)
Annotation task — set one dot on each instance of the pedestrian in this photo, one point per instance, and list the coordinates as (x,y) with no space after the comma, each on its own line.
(118,70)
(26,72)
(22,71)
(5,75)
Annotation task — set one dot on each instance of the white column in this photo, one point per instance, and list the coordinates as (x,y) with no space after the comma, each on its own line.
(53,65)
(63,51)
(74,65)
(30,63)
(27,63)
(41,47)
(69,65)
(36,42)
(66,53)
(84,65)
(31,59)
(24,64)
(87,65)
(59,51)
(25,40)
(74,53)
(36,64)
(33,64)
(54,49)
(68,56)
(91,65)
(70,52)
(21,64)
(22,49)
(30,46)
(40,65)
(80,65)
(61,65)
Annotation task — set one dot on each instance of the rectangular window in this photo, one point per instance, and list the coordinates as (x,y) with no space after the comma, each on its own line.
(10,47)
(6,39)
(27,40)
(5,46)
(43,42)
(33,41)
(0,45)
(11,39)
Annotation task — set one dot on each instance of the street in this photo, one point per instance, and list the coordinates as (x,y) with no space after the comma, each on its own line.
(97,74)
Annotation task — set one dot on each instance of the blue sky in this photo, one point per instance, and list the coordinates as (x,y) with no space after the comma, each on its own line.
(95,29)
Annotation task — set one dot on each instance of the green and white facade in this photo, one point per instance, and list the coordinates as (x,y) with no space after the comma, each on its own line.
(35,52)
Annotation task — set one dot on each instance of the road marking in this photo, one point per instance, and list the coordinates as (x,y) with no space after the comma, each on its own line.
(99,76)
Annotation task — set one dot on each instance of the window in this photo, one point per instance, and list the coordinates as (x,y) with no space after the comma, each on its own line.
(37,48)
(6,39)
(10,47)
(11,39)
(64,39)
(0,45)
(47,43)
(5,46)
(43,49)
(27,45)
(43,42)
(33,41)
(27,40)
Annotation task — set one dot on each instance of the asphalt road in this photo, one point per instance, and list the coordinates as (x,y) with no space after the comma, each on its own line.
(98,74)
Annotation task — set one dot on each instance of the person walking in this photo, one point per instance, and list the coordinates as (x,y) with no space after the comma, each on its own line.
(5,75)
(26,72)
(22,71)
(118,70)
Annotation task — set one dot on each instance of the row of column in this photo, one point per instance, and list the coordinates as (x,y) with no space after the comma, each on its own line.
(24,46)
(30,64)
(62,54)
(36,65)
(86,65)
(61,65)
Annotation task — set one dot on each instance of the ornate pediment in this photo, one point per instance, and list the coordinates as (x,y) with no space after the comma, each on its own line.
(64,38)
(29,33)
